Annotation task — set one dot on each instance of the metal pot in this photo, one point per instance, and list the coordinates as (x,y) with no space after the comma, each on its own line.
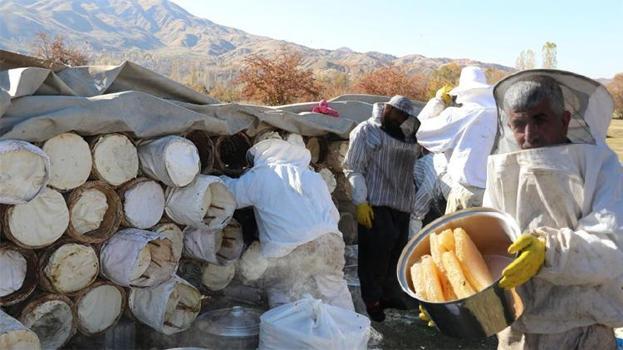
(488,311)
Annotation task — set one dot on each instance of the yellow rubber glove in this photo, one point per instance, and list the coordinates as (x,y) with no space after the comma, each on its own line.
(444,94)
(425,317)
(365,215)
(531,257)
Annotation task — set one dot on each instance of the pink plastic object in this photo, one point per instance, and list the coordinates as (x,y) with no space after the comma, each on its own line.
(323,107)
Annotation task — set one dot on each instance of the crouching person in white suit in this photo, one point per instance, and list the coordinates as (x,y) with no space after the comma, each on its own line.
(297,223)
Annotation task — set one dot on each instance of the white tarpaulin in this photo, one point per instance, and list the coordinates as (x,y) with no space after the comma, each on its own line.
(37,104)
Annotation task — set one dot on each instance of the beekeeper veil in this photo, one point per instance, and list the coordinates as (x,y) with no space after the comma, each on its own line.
(588,102)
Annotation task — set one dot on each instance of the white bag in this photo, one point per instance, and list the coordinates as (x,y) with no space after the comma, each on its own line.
(172,160)
(310,324)
(206,202)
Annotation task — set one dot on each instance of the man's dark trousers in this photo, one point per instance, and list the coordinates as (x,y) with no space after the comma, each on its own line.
(379,250)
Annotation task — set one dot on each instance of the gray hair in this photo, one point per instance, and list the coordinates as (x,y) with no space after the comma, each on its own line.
(526,94)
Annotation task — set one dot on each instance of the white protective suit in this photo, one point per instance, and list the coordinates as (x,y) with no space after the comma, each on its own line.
(465,135)
(572,195)
(297,223)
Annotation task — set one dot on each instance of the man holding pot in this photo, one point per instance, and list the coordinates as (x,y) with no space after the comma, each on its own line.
(553,172)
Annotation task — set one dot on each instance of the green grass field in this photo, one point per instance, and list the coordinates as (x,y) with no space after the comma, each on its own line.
(615,137)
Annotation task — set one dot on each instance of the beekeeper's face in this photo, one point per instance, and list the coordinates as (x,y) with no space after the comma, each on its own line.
(539,126)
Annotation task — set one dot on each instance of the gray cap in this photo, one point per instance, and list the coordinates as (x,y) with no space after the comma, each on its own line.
(404,104)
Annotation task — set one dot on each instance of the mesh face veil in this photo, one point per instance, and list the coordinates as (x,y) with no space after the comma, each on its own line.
(588,102)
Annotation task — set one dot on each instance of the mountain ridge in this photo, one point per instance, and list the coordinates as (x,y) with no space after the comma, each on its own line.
(157,33)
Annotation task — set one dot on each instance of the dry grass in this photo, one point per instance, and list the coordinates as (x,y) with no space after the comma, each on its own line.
(615,137)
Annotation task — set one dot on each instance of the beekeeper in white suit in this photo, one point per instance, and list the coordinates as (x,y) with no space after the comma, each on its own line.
(553,172)
(297,223)
(464,134)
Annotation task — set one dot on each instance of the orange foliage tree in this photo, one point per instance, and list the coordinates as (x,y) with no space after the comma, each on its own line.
(495,75)
(446,74)
(277,80)
(616,90)
(392,80)
(56,51)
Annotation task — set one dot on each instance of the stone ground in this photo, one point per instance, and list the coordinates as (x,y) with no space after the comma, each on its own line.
(404,330)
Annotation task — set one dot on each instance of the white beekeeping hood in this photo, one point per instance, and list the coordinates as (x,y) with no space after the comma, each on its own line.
(588,101)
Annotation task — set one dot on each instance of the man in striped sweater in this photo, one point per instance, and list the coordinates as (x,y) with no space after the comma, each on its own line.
(379,165)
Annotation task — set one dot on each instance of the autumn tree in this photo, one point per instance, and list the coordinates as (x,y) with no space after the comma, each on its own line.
(277,80)
(616,90)
(334,84)
(446,74)
(548,55)
(494,75)
(57,51)
(392,80)
(226,92)
(525,60)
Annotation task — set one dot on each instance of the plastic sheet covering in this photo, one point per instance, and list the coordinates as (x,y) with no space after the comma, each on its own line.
(37,104)
(310,324)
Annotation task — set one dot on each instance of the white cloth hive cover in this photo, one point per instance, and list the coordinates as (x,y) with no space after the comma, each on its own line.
(172,160)
(232,243)
(99,308)
(310,324)
(24,171)
(70,161)
(175,234)
(72,267)
(217,277)
(202,244)
(115,159)
(13,268)
(53,322)
(143,204)
(88,212)
(41,221)
(168,308)
(137,258)
(14,336)
(206,202)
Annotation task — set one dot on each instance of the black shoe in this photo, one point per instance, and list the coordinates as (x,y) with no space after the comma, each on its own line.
(375,311)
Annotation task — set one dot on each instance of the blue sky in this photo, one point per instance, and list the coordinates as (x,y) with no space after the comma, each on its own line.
(589,33)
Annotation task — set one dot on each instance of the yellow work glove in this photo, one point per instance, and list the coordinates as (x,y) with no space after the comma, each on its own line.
(531,257)
(425,317)
(444,94)
(365,215)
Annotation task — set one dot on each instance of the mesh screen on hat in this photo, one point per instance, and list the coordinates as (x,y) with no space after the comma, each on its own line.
(589,103)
